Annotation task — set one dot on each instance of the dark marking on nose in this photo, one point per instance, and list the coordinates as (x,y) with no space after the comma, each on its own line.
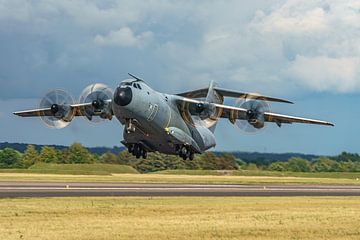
(123,96)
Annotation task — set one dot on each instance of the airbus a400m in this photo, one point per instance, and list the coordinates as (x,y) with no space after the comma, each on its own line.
(181,124)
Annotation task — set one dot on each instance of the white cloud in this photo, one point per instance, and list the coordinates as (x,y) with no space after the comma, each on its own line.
(124,37)
(297,43)
(327,74)
(294,17)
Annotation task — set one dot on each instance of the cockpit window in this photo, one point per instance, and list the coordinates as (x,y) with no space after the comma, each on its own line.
(139,86)
(125,84)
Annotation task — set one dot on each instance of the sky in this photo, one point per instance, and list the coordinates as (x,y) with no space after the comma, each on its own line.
(304,51)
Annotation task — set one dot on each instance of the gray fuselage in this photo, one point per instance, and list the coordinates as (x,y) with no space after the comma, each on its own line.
(154,120)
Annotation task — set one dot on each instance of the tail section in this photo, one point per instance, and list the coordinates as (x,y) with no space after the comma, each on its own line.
(213,97)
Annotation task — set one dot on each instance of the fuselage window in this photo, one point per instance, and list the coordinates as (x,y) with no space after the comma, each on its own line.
(139,86)
(135,86)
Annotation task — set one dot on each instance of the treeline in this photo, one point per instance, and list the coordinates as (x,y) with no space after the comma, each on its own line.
(77,154)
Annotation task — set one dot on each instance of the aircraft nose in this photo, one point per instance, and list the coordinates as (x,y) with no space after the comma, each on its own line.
(123,96)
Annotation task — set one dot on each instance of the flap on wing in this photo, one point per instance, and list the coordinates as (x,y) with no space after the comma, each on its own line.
(235,94)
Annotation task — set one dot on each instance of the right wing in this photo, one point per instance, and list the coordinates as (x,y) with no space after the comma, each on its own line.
(34,112)
(78,109)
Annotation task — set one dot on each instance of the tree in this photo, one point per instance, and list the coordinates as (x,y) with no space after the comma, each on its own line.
(109,157)
(252,166)
(227,161)
(29,157)
(78,154)
(48,155)
(9,158)
(296,164)
(324,164)
(345,157)
(278,166)
(207,161)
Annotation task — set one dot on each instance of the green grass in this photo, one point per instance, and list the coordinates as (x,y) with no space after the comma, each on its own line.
(181,218)
(74,169)
(346,175)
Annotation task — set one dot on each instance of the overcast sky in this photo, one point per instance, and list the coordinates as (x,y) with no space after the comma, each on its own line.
(305,51)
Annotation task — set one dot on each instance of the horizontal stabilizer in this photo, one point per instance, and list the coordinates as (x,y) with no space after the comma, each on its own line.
(235,94)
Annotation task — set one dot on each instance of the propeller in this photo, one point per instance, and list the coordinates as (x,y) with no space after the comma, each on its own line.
(99,95)
(203,113)
(61,112)
(253,120)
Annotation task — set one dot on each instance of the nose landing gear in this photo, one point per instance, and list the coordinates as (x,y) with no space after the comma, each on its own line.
(137,150)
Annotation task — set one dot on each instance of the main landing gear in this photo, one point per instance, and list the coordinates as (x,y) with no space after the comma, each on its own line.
(185,153)
(137,150)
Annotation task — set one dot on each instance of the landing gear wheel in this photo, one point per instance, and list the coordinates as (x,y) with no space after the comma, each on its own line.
(139,153)
(191,157)
(144,154)
(131,148)
(184,151)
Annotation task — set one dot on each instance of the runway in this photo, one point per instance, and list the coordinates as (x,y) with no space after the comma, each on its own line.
(77,189)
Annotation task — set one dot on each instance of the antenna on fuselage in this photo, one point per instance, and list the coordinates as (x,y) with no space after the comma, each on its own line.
(139,79)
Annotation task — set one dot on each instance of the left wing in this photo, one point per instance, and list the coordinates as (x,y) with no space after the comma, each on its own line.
(240,113)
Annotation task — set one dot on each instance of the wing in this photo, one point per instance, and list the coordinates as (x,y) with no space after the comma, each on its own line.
(240,113)
(34,112)
(202,93)
(78,109)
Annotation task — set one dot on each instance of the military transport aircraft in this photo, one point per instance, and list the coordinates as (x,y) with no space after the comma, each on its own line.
(181,124)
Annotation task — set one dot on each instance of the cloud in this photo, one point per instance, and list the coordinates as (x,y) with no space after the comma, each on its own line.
(257,46)
(327,74)
(294,44)
(124,37)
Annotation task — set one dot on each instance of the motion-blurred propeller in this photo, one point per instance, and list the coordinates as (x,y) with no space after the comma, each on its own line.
(61,112)
(99,95)
(253,120)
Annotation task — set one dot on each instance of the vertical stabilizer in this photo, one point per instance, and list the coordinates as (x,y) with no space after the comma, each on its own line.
(213,97)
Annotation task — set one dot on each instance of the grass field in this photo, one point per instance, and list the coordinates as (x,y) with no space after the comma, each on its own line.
(180,218)
(348,175)
(74,169)
(165,178)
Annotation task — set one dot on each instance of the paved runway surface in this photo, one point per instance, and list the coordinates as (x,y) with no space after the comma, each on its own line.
(48,189)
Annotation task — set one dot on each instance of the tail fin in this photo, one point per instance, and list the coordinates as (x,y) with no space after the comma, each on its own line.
(213,97)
